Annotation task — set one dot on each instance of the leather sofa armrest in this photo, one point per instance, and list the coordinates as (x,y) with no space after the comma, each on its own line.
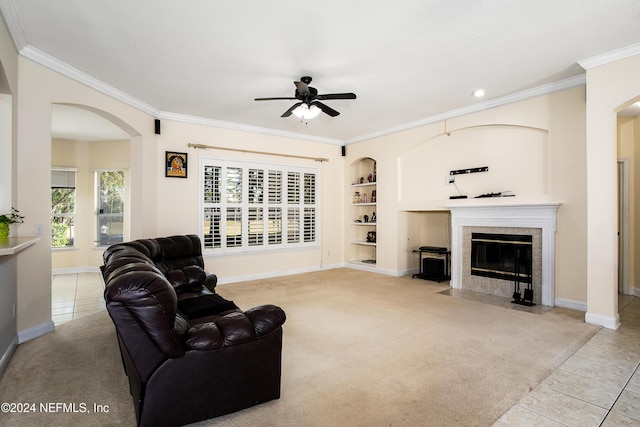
(235,328)
(205,336)
(211,281)
(266,318)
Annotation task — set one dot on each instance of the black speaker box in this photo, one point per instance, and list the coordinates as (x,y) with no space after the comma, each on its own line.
(432,267)
(157,125)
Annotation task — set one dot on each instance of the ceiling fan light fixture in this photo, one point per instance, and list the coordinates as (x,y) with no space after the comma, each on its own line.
(305,112)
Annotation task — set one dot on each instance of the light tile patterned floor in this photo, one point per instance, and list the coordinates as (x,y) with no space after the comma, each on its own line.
(599,385)
(76,295)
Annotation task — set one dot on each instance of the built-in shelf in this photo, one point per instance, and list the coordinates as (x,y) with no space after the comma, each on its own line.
(13,245)
(362,239)
(363,242)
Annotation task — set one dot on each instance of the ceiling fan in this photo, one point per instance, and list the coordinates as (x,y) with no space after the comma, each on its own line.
(310,105)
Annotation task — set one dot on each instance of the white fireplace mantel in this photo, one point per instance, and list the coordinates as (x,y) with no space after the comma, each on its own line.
(525,215)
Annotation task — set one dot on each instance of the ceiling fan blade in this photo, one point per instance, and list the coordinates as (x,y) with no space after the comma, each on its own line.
(326,109)
(302,87)
(290,110)
(337,96)
(273,99)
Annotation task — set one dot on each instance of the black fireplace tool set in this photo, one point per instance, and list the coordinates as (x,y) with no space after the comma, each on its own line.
(518,298)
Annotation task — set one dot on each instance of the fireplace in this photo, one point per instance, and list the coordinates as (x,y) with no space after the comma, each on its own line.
(526,219)
(502,256)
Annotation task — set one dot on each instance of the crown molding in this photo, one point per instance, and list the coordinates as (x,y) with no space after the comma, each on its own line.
(614,55)
(246,128)
(60,67)
(66,70)
(481,106)
(10,16)
(14,24)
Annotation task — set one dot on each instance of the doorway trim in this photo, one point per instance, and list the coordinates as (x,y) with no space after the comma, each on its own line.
(623,226)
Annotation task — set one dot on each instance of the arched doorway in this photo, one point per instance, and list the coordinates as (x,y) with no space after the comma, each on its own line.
(89,148)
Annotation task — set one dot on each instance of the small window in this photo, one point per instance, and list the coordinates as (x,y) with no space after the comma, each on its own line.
(110,207)
(63,208)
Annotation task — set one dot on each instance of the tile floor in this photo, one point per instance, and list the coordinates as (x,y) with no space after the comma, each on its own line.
(75,296)
(599,385)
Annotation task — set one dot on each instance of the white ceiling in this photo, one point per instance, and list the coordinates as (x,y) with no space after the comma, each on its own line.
(410,62)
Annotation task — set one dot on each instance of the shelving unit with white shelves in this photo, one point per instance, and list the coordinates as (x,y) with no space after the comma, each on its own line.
(363,240)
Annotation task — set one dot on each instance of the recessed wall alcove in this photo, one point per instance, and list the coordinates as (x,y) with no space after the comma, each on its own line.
(517,158)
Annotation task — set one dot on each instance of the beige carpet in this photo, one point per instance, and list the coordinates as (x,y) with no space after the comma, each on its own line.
(360,349)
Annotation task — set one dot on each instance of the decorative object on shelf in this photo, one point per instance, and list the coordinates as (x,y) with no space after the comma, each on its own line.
(373,217)
(371,237)
(356,197)
(362,180)
(364,198)
(373,196)
(370,177)
(366,218)
(175,164)
(7,219)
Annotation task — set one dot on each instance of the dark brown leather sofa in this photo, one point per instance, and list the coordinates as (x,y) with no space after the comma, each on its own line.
(189,354)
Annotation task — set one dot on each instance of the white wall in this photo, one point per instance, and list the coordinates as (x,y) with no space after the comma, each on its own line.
(178,198)
(38,89)
(535,148)
(562,177)
(612,87)
(154,211)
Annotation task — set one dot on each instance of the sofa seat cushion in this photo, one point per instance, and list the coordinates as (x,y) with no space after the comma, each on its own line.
(205,305)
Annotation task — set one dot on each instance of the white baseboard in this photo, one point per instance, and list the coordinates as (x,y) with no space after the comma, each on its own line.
(635,291)
(6,357)
(35,332)
(605,321)
(332,266)
(372,268)
(272,274)
(571,304)
(75,270)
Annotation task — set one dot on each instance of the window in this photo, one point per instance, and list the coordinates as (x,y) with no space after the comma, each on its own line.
(63,207)
(110,206)
(248,206)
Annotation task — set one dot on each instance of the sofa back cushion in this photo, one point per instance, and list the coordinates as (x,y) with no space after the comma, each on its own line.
(144,299)
(177,252)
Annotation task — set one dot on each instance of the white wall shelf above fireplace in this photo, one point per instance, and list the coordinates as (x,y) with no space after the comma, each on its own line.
(496,202)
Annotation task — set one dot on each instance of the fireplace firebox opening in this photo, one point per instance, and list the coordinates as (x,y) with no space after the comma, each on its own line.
(502,256)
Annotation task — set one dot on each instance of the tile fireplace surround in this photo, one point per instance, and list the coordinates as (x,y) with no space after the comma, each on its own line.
(537,219)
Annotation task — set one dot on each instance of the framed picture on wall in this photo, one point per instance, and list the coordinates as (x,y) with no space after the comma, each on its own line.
(175,164)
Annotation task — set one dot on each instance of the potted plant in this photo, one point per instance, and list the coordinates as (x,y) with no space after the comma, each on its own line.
(7,219)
